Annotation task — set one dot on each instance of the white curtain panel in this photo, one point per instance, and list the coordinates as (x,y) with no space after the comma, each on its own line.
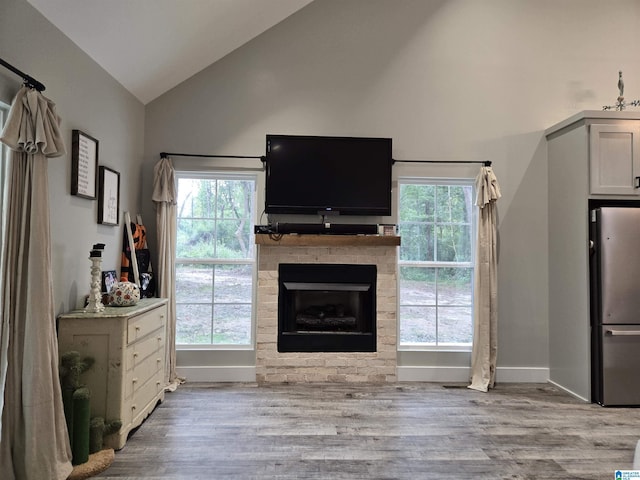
(485,334)
(165,198)
(34,443)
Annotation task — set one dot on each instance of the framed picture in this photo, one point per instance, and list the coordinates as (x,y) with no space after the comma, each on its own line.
(109,278)
(108,196)
(84,164)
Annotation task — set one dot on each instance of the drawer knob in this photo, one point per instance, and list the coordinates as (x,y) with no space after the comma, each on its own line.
(133,407)
(135,354)
(137,329)
(135,380)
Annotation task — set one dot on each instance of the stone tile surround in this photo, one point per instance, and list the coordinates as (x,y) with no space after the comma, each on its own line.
(308,367)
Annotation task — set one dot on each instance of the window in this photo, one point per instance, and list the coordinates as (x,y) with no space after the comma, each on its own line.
(215,259)
(437,225)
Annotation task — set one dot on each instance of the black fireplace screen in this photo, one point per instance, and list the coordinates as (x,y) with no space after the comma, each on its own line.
(327,308)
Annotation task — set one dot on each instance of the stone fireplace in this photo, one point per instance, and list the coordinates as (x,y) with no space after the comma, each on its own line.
(330,314)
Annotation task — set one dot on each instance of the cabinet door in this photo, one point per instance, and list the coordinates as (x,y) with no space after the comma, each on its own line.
(614,159)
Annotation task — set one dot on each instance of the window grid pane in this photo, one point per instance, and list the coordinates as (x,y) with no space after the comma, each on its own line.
(435,266)
(418,241)
(194,323)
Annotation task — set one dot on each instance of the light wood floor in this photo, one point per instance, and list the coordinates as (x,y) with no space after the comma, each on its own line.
(402,431)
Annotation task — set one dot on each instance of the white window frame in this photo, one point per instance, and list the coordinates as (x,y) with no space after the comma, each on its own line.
(227,175)
(415,180)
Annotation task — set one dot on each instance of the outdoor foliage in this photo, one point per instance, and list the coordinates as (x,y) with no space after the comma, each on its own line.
(214,218)
(435,223)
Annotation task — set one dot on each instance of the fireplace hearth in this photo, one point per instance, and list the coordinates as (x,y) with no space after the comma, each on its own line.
(326,308)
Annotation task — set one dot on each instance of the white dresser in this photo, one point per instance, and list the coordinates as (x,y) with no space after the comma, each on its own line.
(128,345)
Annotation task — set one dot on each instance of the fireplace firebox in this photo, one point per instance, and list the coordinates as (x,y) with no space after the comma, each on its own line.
(326,308)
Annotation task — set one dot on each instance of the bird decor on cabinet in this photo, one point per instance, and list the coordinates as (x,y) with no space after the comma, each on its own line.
(620,103)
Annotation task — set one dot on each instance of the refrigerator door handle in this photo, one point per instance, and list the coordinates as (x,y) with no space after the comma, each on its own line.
(630,333)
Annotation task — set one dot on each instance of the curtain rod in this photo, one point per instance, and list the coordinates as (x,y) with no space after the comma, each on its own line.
(486,163)
(29,81)
(170,154)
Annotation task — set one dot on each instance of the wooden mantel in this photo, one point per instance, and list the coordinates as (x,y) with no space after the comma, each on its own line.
(323,240)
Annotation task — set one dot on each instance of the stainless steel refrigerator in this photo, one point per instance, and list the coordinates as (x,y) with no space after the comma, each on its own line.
(615,305)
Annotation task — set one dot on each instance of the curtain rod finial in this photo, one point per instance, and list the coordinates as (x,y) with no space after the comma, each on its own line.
(163,154)
(487,163)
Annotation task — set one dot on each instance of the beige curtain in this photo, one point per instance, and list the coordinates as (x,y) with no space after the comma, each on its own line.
(34,443)
(485,334)
(164,196)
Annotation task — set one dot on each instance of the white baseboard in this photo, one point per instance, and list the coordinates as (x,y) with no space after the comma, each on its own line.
(522,374)
(463,374)
(217,374)
(433,374)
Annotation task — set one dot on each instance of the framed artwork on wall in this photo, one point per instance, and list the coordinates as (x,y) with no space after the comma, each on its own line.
(84,164)
(108,196)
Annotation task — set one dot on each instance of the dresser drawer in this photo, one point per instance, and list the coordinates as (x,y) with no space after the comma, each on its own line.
(138,377)
(147,393)
(139,351)
(142,325)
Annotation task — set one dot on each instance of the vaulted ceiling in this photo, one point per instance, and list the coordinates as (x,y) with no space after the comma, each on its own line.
(150,46)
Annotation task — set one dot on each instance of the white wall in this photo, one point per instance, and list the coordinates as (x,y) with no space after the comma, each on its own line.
(87,98)
(450,80)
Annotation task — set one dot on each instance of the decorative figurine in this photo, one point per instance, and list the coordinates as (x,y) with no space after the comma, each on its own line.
(620,103)
(95,296)
(620,86)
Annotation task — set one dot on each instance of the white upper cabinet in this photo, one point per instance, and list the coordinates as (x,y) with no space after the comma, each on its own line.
(614,159)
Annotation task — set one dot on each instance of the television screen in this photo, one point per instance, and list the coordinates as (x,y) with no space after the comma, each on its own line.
(322,175)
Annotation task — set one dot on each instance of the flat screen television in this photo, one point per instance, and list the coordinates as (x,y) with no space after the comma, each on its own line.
(328,175)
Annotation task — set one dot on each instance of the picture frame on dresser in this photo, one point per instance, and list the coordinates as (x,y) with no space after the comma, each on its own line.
(84,164)
(108,196)
(109,278)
